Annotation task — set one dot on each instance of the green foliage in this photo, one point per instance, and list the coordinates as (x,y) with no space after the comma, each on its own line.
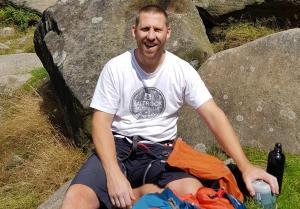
(21,18)
(38,75)
(239,33)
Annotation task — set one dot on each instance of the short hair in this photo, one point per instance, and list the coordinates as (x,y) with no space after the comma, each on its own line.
(152,8)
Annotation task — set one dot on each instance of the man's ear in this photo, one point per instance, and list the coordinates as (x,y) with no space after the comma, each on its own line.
(133,28)
(169,31)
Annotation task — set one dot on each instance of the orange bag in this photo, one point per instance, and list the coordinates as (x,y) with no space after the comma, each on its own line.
(204,166)
(208,198)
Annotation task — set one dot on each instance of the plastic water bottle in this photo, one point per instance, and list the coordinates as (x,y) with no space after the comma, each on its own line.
(276,160)
(263,194)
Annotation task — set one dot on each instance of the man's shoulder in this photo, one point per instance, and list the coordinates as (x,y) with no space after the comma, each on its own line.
(121,58)
(174,59)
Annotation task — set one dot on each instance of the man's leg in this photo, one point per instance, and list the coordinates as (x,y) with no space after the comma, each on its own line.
(88,189)
(80,196)
(185,186)
(146,189)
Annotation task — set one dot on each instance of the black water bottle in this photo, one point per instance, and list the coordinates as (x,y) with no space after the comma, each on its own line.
(276,160)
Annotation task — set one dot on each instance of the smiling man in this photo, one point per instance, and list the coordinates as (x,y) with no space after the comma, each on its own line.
(136,102)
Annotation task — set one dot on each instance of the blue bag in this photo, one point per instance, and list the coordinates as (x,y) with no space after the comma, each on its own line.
(165,200)
(235,202)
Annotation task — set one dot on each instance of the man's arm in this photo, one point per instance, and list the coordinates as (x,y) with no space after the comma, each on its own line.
(222,129)
(119,188)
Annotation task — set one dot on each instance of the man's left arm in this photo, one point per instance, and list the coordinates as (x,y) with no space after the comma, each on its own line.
(223,131)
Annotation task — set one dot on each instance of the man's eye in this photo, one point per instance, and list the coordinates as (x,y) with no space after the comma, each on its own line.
(145,29)
(157,30)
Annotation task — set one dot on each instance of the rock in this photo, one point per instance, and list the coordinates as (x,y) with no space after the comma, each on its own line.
(10,83)
(19,51)
(282,13)
(5,188)
(257,85)
(229,161)
(200,147)
(15,70)
(23,40)
(3,46)
(34,5)
(7,31)
(18,63)
(8,42)
(74,48)
(55,200)
(13,162)
(217,7)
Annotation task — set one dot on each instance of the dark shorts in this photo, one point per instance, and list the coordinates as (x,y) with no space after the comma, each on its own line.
(146,164)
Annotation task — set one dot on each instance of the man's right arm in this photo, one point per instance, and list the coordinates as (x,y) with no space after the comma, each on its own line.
(119,188)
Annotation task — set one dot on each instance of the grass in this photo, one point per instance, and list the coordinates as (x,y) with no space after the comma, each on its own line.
(237,34)
(35,159)
(23,22)
(290,194)
(19,42)
(38,75)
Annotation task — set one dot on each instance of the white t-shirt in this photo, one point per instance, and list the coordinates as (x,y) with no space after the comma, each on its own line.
(146,104)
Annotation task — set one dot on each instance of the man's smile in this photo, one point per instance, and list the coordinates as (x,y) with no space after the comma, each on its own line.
(150,45)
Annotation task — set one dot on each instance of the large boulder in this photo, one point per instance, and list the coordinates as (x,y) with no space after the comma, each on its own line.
(217,7)
(257,85)
(76,38)
(285,12)
(35,5)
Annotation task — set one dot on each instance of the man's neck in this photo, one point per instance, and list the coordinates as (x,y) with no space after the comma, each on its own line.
(149,65)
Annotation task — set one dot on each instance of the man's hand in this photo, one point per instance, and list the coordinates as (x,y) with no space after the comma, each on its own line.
(119,190)
(222,129)
(252,173)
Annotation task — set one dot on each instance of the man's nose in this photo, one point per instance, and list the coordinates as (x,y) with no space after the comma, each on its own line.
(151,35)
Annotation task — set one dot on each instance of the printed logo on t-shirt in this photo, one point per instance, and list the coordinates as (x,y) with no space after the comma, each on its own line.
(147,102)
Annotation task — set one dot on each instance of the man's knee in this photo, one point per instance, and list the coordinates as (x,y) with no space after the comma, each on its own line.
(185,185)
(80,196)
(146,189)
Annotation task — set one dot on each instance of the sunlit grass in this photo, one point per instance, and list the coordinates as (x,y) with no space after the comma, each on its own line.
(237,34)
(19,42)
(290,194)
(35,159)
(38,74)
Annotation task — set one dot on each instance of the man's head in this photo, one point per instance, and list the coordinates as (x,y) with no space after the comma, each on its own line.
(151,31)
(152,8)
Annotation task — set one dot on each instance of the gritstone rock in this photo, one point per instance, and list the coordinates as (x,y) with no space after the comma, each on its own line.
(257,85)
(286,12)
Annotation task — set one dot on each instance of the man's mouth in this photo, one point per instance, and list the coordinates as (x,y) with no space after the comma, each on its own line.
(150,45)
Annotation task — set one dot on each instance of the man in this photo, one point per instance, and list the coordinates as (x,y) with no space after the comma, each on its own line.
(139,94)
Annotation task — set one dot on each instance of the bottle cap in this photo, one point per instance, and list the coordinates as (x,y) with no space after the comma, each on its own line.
(278,147)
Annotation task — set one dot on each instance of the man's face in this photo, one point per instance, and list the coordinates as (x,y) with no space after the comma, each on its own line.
(151,34)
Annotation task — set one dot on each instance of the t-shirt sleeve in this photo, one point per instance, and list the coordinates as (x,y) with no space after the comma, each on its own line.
(106,95)
(196,93)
